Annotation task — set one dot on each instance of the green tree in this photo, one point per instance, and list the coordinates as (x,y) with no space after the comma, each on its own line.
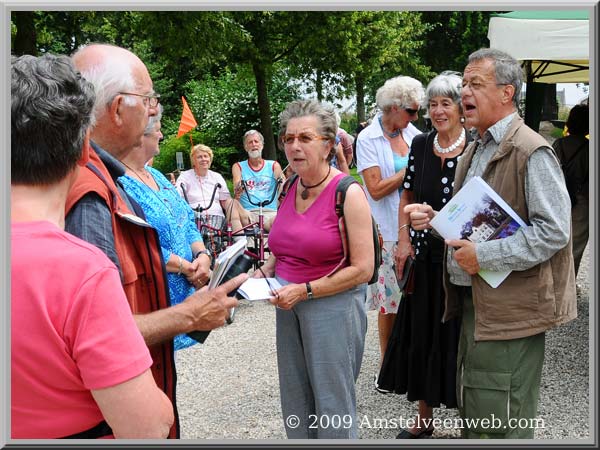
(261,39)
(451,36)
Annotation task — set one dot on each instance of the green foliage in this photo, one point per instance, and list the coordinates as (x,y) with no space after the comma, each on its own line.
(166,160)
(225,107)
(451,36)
(556,133)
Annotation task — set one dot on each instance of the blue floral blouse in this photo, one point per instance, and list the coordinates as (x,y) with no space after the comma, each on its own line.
(174,220)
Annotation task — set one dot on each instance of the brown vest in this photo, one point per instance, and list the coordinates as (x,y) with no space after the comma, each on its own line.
(531,301)
(138,250)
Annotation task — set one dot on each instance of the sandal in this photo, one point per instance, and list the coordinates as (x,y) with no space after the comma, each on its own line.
(425,434)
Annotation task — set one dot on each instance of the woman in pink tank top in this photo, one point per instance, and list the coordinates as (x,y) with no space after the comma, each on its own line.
(321,318)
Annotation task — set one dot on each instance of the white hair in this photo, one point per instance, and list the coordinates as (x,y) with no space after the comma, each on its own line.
(400,91)
(109,77)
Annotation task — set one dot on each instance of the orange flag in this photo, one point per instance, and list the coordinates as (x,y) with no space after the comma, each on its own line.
(188,122)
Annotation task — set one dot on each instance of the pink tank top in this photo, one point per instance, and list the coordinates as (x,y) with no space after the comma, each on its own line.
(307,246)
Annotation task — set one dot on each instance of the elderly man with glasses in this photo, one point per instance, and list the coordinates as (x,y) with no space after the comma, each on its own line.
(100,212)
(501,347)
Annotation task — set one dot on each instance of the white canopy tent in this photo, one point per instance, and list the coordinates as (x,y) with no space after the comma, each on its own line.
(553,45)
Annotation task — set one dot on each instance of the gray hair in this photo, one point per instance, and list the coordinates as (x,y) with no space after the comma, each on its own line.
(325,114)
(109,77)
(507,69)
(153,120)
(51,111)
(251,132)
(446,84)
(399,91)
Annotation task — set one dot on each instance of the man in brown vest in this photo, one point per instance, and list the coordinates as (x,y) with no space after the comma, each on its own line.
(501,349)
(100,212)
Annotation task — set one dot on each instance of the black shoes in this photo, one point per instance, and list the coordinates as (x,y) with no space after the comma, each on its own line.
(377,388)
(425,434)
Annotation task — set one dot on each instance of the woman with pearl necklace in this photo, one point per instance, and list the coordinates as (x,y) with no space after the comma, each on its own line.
(421,356)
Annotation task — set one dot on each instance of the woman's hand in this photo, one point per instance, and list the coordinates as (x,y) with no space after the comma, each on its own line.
(403,251)
(289,295)
(198,271)
(420,215)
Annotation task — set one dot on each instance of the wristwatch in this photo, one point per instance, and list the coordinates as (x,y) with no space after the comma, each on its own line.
(309,292)
(202,252)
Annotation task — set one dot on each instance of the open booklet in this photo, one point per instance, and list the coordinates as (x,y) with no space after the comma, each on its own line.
(224,261)
(477,213)
(257,289)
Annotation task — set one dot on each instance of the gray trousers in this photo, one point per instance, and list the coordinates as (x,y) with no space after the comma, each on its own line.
(320,346)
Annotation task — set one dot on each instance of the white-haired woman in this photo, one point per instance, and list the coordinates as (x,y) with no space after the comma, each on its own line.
(382,157)
(420,360)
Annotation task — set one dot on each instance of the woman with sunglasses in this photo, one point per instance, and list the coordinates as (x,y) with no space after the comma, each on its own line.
(321,320)
(382,157)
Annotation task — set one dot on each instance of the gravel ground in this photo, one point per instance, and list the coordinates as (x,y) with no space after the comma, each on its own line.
(228,387)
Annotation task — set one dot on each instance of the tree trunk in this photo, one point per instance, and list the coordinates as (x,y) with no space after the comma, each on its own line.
(319,86)
(25,37)
(360,98)
(264,108)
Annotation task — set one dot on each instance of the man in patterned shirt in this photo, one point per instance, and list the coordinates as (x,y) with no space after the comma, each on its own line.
(501,349)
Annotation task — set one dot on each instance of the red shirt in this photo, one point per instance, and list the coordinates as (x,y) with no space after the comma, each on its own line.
(71,331)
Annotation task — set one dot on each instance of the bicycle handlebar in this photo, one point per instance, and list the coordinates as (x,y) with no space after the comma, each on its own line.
(264,202)
(200,208)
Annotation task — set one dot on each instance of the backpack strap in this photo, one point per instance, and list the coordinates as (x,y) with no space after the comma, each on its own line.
(286,187)
(340,194)
(340,197)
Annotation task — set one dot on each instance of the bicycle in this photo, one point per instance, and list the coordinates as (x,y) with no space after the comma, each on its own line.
(258,235)
(217,236)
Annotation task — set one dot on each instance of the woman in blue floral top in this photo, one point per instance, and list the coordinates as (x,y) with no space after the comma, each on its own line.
(186,260)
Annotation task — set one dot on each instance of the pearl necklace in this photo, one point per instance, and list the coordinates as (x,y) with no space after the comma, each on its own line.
(453,147)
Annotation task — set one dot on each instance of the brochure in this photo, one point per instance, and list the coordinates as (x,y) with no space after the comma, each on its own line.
(477,213)
(224,262)
(257,289)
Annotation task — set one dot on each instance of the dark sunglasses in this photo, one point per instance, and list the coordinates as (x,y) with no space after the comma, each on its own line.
(411,111)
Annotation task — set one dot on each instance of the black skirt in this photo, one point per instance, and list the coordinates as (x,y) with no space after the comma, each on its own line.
(420,359)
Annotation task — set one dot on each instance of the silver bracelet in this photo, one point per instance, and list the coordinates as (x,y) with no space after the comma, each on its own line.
(180,265)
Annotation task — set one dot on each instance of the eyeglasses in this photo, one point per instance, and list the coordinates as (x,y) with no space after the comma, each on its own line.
(150,99)
(411,111)
(303,138)
(478,85)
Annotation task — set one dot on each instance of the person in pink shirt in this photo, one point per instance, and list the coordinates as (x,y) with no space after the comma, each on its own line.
(79,365)
(321,318)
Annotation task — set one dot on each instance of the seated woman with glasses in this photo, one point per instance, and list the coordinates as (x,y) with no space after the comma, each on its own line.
(186,259)
(381,160)
(197,186)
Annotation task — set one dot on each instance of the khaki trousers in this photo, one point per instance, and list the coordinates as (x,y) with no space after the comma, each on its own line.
(498,382)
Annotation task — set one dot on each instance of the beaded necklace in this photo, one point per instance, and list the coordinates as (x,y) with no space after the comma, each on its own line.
(393,134)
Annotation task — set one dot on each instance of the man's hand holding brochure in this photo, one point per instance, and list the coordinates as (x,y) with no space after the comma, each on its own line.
(477,214)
